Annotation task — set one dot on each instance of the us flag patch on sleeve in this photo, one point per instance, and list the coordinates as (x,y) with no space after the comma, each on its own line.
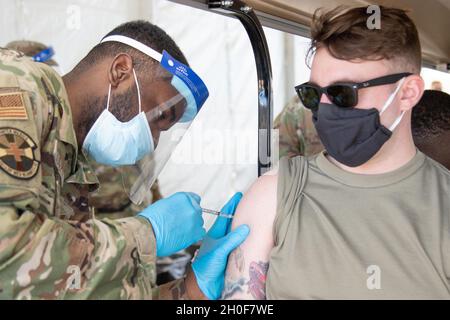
(12,106)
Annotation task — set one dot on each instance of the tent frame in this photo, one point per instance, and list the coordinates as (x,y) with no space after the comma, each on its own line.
(245,14)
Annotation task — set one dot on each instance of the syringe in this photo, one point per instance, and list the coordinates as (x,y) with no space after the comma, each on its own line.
(218,213)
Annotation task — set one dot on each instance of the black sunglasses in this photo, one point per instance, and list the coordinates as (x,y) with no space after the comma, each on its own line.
(342,94)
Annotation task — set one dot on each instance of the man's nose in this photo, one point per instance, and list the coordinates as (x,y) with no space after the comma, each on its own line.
(324,99)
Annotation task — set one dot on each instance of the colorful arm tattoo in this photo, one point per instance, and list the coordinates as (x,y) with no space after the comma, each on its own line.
(255,282)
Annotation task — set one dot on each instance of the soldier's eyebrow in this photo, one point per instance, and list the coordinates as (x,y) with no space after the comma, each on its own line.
(348,80)
(341,80)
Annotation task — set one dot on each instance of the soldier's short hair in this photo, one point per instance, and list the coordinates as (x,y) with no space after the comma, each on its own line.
(142,31)
(344,33)
(431,116)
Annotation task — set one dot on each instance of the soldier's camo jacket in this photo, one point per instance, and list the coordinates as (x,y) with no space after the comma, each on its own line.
(51,244)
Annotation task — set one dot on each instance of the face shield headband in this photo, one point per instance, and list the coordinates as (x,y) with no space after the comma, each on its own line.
(185,80)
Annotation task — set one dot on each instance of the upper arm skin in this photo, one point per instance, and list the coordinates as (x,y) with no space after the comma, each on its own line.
(247,265)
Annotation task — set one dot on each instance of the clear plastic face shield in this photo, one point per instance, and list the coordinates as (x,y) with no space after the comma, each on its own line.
(175,102)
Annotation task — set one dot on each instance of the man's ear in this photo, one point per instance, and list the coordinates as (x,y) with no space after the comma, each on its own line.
(411,92)
(120,69)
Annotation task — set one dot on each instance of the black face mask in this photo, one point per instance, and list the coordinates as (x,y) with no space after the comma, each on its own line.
(351,136)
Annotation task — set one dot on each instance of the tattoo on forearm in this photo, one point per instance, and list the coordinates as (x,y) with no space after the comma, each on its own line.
(233,287)
(257,282)
(238,259)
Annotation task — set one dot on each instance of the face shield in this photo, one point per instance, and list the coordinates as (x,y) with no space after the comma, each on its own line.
(175,102)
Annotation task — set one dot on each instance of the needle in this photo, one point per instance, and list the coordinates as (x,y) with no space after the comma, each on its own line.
(218,213)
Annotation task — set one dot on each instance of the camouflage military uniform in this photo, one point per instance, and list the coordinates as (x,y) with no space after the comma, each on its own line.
(110,199)
(51,244)
(297,133)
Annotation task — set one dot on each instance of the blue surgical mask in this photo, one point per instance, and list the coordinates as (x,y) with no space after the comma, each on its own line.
(115,143)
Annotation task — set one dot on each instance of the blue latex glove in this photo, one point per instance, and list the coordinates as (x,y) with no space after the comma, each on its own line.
(211,261)
(177,222)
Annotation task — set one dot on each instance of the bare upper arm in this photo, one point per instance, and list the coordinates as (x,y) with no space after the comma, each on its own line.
(248,264)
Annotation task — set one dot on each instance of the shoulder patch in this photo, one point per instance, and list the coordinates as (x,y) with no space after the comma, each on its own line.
(12,106)
(17,156)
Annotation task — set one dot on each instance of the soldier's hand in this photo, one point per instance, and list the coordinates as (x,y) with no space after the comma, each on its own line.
(177,222)
(211,261)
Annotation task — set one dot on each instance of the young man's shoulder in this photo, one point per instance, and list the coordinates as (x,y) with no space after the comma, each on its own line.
(436,167)
(439,174)
(258,205)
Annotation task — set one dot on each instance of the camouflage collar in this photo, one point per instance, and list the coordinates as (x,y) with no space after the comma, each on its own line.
(84,173)
(66,131)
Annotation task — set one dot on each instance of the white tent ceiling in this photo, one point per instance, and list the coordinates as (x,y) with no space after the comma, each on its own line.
(432,18)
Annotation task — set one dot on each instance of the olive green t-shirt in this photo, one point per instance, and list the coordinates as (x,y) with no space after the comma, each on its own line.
(340,235)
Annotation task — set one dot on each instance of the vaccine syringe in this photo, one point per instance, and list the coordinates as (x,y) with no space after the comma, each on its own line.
(218,213)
